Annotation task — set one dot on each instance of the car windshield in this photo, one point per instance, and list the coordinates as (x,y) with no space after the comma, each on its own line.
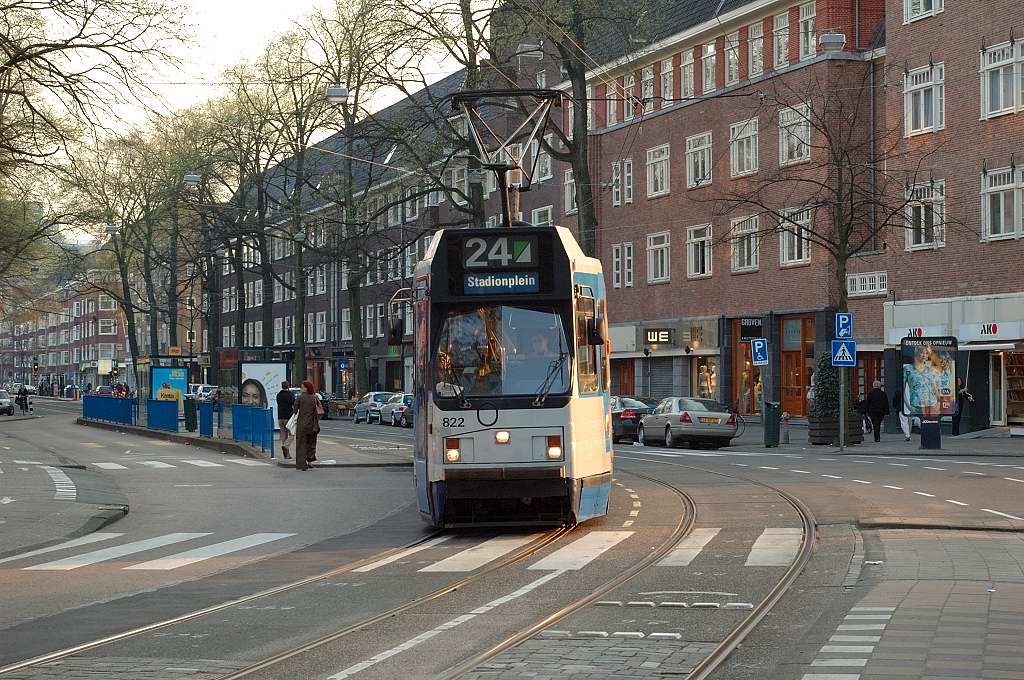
(626,402)
(701,405)
(502,350)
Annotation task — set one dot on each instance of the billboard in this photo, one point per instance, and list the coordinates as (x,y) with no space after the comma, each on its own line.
(929,376)
(260,383)
(169,384)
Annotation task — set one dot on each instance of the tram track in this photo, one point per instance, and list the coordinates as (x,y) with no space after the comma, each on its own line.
(732,640)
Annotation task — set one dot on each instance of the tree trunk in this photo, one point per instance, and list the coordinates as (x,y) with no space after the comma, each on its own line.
(358,341)
(172,284)
(150,286)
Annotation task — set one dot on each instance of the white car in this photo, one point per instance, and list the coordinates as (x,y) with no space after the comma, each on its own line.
(6,403)
(396,411)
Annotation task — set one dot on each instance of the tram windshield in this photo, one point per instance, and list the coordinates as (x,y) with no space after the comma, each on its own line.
(504,350)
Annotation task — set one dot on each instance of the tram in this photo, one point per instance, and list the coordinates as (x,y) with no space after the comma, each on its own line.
(511,379)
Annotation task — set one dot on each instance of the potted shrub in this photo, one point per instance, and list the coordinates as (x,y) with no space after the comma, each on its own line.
(823,419)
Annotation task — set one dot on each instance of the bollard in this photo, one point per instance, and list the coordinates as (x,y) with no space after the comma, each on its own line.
(784,428)
(31,405)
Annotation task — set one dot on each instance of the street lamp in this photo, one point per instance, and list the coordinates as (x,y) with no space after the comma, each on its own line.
(336,94)
(832,41)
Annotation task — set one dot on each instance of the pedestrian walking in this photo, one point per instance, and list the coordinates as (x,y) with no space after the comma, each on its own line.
(962,398)
(307,427)
(876,405)
(23,400)
(285,404)
(897,404)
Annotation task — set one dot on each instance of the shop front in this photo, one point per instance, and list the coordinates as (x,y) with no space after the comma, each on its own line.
(672,357)
(1003,343)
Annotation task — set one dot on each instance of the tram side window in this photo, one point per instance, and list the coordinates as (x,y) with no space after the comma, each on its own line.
(586,354)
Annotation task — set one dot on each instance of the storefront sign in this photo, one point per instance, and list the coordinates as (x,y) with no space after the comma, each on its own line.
(992,330)
(929,374)
(658,336)
(897,334)
(752,327)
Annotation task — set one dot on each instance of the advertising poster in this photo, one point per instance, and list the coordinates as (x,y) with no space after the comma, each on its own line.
(261,381)
(170,384)
(929,376)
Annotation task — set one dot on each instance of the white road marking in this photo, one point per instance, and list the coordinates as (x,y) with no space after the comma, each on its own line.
(634,513)
(1014,479)
(766,467)
(208,551)
(861,626)
(73,543)
(832,476)
(1002,514)
(890,486)
(833,663)
(64,488)
(192,485)
(860,481)
(202,463)
(628,523)
(831,676)
(27,462)
(934,468)
(922,493)
(855,638)
(479,555)
(899,464)
(92,445)
(802,472)
(775,547)
(869,462)
(950,500)
(156,464)
(636,504)
(7,500)
(245,461)
(847,649)
(433,632)
(402,555)
(105,554)
(971,472)
(868,617)
(873,609)
(110,466)
(741,465)
(688,548)
(581,552)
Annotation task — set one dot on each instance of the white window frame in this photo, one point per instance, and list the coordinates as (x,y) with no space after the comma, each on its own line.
(794,122)
(794,245)
(780,40)
(667,77)
(923,196)
(659,257)
(699,163)
(686,75)
(616,183)
(321,326)
(808,34)
(915,10)
(542,161)
(548,212)
(647,88)
(865,284)
(755,57)
(629,97)
(346,324)
(627,264)
(616,265)
(1004,62)
(732,58)
(923,86)
(743,151)
(699,251)
(381,319)
(659,169)
(107,304)
(1004,183)
(745,232)
(707,65)
(569,193)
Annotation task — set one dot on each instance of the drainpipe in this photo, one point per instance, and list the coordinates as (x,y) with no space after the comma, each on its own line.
(871,149)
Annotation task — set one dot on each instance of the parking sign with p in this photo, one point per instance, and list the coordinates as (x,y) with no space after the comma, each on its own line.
(844,325)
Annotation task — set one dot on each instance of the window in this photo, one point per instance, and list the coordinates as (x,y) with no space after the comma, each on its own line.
(108,326)
(666,82)
(659,248)
(794,135)
(380,321)
(629,87)
(76,332)
(808,36)
(226,339)
(542,216)
(708,64)
(257,293)
(106,303)
(617,265)
(106,350)
(617,183)
(311,327)
(647,88)
(612,105)
(412,204)
(999,212)
(278,291)
(698,160)
(794,247)
(627,264)
(924,99)
(289,329)
(627,180)
(78,309)
(515,159)
(920,9)
(686,89)
(781,36)
(541,79)
(755,50)
(998,94)
(698,251)
(870,283)
(346,324)
(658,171)
(743,148)
(732,58)
(926,210)
(570,118)
(744,244)
(569,193)
(257,334)
(542,166)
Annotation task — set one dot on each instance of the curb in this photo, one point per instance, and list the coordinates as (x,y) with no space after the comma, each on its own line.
(919,523)
(291,464)
(105,516)
(227,447)
(16,419)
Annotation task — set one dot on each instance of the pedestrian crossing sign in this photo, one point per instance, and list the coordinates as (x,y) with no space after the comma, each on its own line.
(844,353)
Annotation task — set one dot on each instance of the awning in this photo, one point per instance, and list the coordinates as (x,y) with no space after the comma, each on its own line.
(991,346)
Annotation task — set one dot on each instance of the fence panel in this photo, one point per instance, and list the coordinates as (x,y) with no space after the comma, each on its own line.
(253,425)
(109,409)
(162,415)
(206,419)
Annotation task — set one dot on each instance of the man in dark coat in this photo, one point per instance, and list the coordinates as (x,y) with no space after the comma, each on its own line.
(877,406)
(285,404)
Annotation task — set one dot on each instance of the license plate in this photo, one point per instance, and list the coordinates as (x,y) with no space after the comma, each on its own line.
(709,420)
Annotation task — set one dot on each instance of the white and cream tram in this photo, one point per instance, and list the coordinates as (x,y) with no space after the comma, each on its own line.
(512,422)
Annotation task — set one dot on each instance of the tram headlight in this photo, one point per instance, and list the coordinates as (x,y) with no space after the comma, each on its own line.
(452,453)
(502,437)
(554,448)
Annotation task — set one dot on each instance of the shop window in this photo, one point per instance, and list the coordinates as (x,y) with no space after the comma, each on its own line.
(706,378)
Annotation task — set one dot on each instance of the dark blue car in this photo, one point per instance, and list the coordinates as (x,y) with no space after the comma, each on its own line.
(627,412)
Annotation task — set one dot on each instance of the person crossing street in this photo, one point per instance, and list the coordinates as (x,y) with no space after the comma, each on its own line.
(285,406)
(876,405)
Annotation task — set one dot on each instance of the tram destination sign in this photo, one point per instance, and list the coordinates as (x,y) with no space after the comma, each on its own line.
(509,283)
(499,252)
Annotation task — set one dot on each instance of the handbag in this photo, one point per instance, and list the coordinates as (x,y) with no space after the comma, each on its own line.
(319,407)
(292,423)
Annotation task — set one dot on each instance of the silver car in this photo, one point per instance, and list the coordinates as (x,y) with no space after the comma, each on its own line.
(367,409)
(684,419)
(395,411)
(6,403)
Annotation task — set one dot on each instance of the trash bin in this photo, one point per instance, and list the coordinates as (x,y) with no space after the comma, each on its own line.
(772,414)
(191,414)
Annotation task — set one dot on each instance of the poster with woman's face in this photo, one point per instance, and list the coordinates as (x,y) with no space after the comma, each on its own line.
(260,384)
(929,376)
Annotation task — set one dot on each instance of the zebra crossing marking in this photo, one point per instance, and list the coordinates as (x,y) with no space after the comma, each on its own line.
(401,555)
(65,489)
(688,548)
(581,552)
(202,463)
(89,558)
(478,555)
(73,543)
(775,547)
(159,464)
(207,551)
(246,461)
(110,466)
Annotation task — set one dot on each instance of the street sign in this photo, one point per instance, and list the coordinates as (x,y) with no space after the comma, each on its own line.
(844,353)
(174,351)
(759,351)
(844,325)
(342,363)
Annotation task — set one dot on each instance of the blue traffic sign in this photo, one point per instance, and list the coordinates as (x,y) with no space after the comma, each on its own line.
(844,353)
(759,351)
(844,325)
(343,363)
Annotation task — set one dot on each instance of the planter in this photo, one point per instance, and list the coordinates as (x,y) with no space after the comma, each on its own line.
(825,431)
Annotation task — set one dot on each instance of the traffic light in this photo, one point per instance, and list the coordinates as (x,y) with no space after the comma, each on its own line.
(35,368)
(114,372)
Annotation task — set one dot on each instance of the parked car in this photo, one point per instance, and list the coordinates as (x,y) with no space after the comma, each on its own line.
(626,415)
(397,411)
(6,403)
(368,406)
(684,419)
(325,400)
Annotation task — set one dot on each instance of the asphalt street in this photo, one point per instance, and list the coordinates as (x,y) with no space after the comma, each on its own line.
(907,549)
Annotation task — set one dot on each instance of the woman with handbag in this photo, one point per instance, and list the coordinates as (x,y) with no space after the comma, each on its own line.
(307,426)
